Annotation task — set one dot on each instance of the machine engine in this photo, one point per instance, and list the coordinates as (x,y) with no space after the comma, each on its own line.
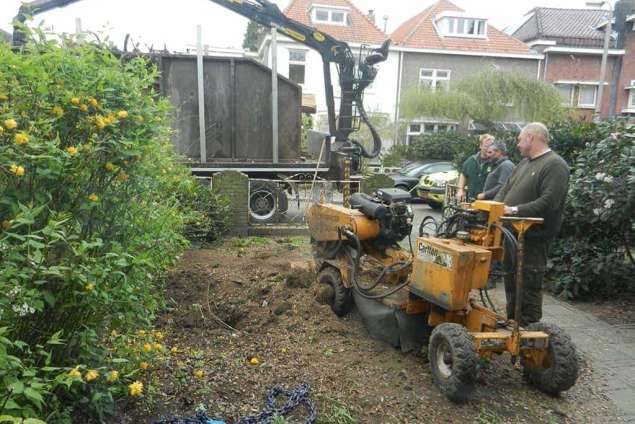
(390,208)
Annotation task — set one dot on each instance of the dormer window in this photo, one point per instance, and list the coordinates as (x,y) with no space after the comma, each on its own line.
(458,24)
(331,15)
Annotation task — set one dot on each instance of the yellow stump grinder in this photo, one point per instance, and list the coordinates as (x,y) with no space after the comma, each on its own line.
(435,286)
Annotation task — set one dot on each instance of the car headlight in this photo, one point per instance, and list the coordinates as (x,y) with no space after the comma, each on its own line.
(438,184)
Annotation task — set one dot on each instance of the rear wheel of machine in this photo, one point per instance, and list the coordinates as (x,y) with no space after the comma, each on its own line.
(266,202)
(453,361)
(562,359)
(342,300)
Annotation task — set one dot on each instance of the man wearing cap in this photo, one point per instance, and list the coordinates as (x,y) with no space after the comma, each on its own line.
(502,168)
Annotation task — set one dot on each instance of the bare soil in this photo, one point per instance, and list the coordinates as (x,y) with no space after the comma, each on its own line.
(265,290)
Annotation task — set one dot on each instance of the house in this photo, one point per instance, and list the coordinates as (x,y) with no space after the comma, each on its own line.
(444,44)
(572,42)
(342,20)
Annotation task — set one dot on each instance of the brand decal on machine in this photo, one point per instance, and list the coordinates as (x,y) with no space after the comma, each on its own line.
(428,253)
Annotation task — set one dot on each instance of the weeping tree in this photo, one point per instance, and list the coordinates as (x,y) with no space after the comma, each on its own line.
(254,34)
(486,98)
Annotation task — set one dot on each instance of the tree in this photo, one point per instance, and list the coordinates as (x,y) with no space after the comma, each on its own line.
(254,35)
(487,97)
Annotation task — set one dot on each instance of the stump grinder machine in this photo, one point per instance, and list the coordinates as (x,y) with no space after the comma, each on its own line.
(359,260)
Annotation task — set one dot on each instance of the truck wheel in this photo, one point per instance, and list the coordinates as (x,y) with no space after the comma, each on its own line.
(453,361)
(342,300)
(562,358)
(266,202)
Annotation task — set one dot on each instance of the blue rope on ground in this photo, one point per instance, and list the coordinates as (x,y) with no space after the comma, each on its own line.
(299,396)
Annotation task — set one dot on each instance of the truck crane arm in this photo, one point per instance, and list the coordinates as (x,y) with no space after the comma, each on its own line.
(354,76)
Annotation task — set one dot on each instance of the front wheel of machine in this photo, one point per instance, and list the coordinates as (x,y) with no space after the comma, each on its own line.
(562,360)
(453,361)
(342,300)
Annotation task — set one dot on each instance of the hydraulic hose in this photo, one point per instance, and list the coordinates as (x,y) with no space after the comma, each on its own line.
(376,137)
(397,266)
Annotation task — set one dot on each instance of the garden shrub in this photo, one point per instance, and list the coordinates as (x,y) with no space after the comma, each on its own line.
(93,204)
(593,253)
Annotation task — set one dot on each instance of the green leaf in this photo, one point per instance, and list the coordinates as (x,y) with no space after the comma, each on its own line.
(34,396)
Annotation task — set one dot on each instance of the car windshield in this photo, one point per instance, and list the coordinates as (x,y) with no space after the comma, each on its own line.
(415,172)
(409,168)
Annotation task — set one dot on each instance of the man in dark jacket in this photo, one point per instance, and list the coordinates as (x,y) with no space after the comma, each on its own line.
(502,168)
(474,170)
(537,188)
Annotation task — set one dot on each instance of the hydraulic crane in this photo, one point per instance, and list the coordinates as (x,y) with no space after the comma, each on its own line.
(355,75)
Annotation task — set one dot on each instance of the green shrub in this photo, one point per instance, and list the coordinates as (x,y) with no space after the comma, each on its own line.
(92,209)
(593,253)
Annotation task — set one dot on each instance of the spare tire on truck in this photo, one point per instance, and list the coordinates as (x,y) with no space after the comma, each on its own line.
(267,202)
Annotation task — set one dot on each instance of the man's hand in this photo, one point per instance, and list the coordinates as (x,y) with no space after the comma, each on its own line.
(511,210)
(480,196)
(460,195)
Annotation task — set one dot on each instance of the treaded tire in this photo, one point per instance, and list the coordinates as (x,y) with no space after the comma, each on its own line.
(563,372)
(453,361)
(267,202)
(342,301)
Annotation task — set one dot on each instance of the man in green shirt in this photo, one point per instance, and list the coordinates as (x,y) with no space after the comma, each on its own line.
(537,188)
(474,170)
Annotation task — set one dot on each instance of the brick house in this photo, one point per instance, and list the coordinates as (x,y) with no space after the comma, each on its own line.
(572,41)
(342,20)
(443,44)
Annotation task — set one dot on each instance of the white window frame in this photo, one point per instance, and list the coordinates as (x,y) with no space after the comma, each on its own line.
(571,91)
(449,26)
(434,78)
(450,127)
(631,99)
(330,10)
(298,62)
(595,97)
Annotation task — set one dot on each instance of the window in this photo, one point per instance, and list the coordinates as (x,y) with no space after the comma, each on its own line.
(330,16)
(566,93)
(587,96)
(297,59)
(434,78)
(631,99)
(462,27)
(416,129)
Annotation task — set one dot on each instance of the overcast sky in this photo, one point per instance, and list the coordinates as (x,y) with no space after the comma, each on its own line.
(173,23)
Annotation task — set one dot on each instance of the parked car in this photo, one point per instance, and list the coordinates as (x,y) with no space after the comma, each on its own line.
(409,176)
(431,187)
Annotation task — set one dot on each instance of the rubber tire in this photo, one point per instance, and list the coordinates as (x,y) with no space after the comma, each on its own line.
(460,383)
(281,205)
(563,372)
(435,206)
(342,301)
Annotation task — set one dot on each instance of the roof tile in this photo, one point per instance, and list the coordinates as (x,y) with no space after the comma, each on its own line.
(420,32)
(362,30)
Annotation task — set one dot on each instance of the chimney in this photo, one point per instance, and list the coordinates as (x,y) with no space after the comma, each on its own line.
(371,15)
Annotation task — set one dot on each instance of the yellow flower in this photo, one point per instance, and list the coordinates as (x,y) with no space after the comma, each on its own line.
(71,150)
(3,98)
(91,375)
(110,119)
(75,101)
(89,287)
(136,388)
(147,347)
(254,361)
(58,111)
(83,108)
(174,350)
(114,333)
(112,376)
(1,130)
(92,101)
(93,197)
(122,114)
(144,365)
(141,333)
(109,167)
(21,138)
(199,373)
(17,170)
(10,124)
(6,224)
(140,118)
(100,122)
(158,335)
(75,373)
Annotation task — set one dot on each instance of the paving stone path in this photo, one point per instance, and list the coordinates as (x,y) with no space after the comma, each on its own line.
(610,348)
